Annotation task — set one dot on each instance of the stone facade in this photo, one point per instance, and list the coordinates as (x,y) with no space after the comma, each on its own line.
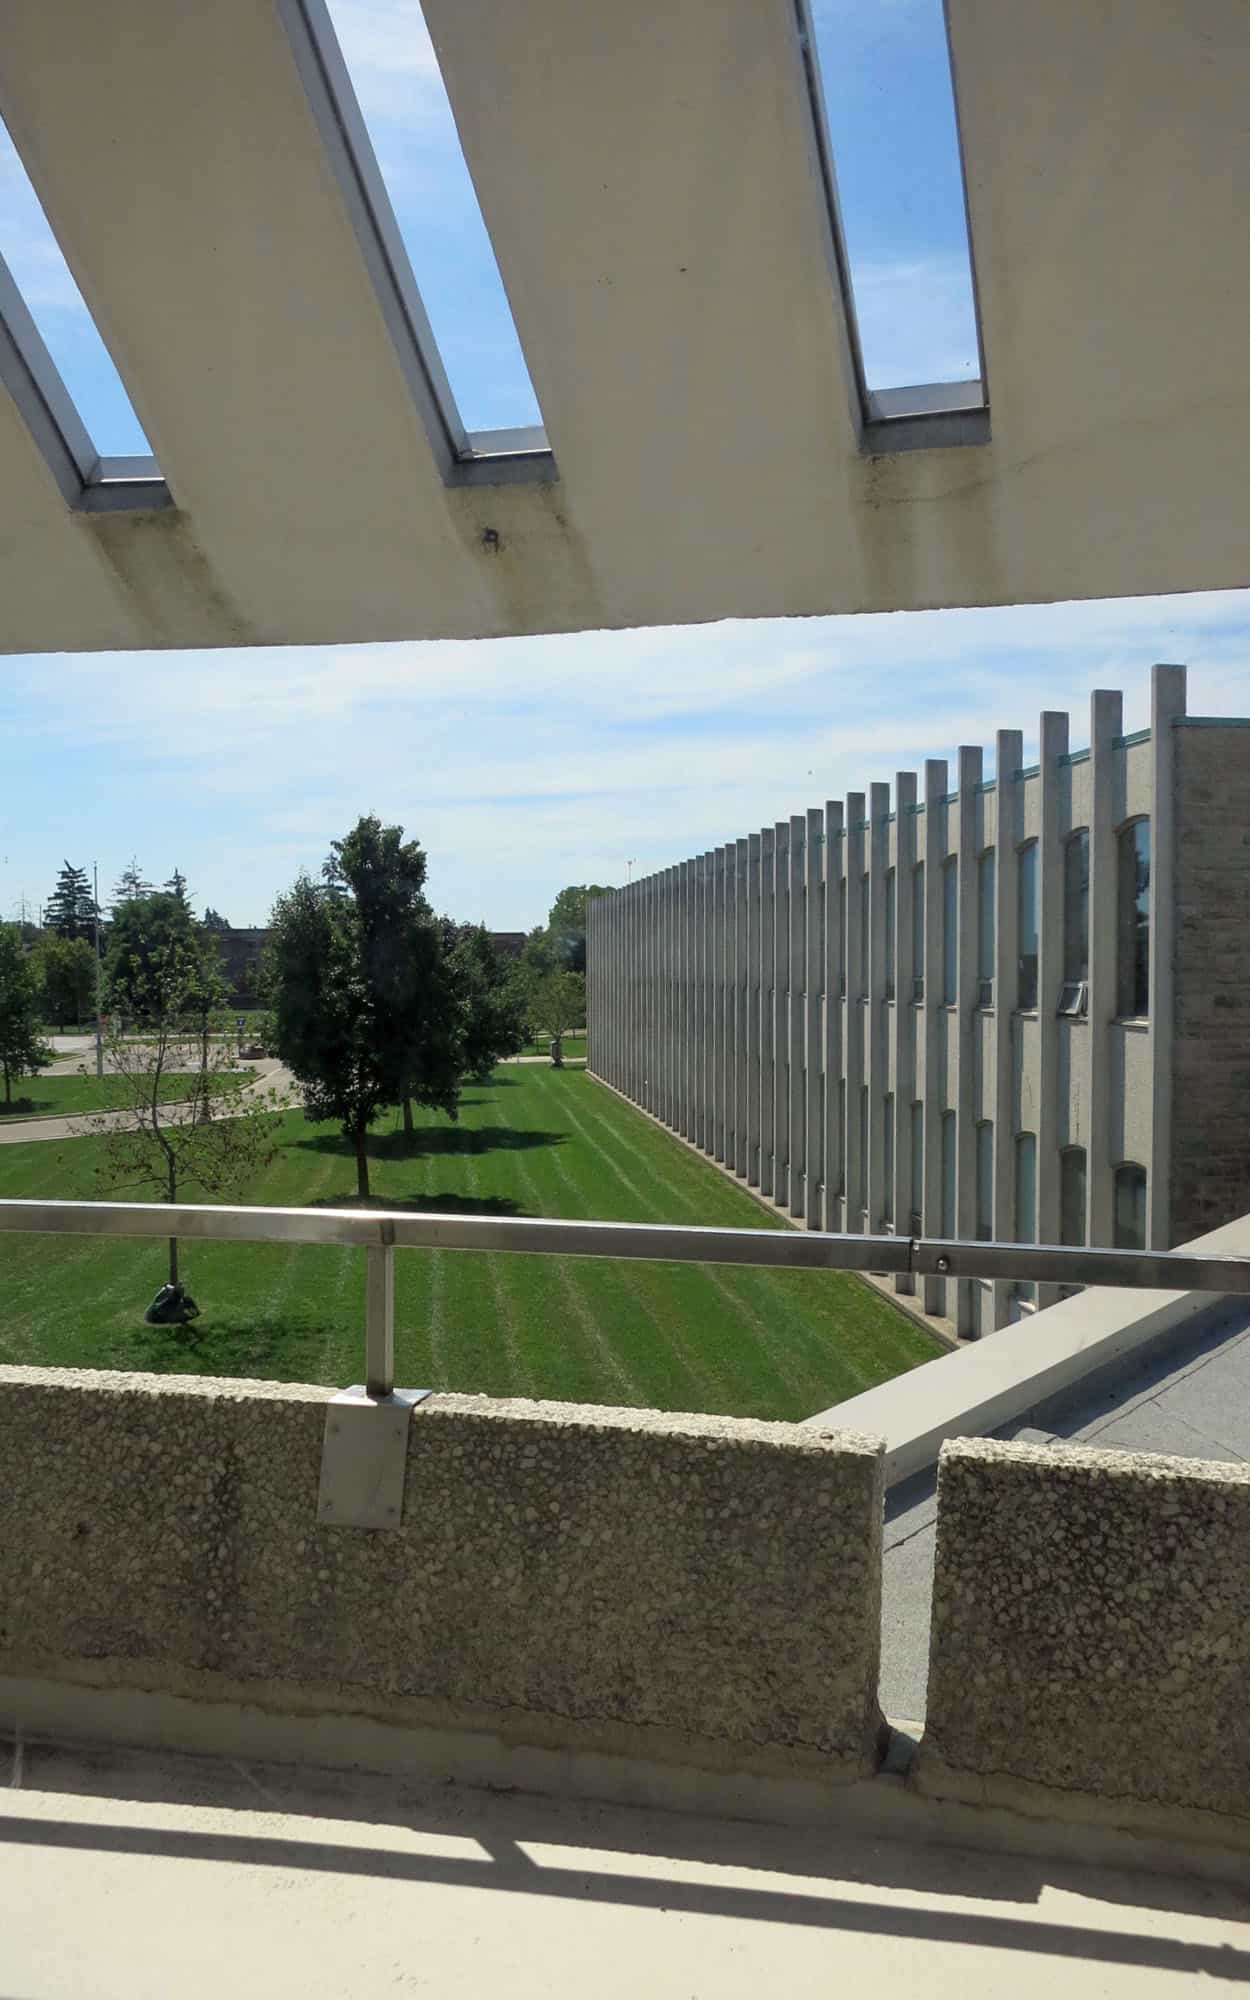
(1091,1628)
(1211,1034)
(690,1589)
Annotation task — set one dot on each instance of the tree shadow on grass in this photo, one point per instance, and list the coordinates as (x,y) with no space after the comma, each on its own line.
(427,1204)
(429,1141)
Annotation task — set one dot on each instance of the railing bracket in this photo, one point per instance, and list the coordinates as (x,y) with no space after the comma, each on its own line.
(364,1457)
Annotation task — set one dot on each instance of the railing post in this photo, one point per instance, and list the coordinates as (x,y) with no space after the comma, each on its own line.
(380,1317)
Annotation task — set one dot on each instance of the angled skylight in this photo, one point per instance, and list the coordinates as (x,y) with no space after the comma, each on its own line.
(884,71)
(56,306)
(399,88)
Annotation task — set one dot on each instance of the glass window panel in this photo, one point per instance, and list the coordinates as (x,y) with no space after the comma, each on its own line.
(1026,914)
(1072,1196)
(1133,943)
(985,915)
(917,1165)
(985,1181)
(917,931)
(842,931)
(865,961)
(887,1160)
(890,916)
(950,932)
(1130,1207)
(1076,906)
(948,1173)
(1026,1201)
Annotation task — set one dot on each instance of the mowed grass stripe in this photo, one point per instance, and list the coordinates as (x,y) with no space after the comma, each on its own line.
(533,1141)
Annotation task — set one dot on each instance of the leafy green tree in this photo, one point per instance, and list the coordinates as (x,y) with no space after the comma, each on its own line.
(65,968)
(365,1013)
(70,909)
(556,1002)
(492,996)
(566,924)
(22,1049)
(155,946)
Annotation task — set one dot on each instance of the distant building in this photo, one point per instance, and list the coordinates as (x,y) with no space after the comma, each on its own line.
(240,960)
(1018,1009)
(509,944)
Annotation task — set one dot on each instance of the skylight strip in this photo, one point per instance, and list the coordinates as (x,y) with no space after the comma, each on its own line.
(898,216)
(490,454)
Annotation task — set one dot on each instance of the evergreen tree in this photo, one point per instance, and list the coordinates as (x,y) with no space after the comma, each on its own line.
(177,888)
(70,910)
(213,920)
(131,885)
(153,942)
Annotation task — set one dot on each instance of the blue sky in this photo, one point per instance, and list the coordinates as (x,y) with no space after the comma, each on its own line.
(526,764)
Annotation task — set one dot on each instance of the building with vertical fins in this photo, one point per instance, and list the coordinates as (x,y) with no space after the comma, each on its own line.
(1013,1008)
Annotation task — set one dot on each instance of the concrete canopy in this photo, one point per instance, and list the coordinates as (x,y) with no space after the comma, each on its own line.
(651,177)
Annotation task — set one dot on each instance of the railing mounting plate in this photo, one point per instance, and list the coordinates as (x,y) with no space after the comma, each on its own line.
(364,1456)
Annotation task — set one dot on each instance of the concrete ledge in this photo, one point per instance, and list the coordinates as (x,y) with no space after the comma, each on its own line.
(690,1589)
(1091,1634)
(1011,1372)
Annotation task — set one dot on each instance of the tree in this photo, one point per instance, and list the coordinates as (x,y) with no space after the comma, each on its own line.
(566,924)
(66,970)
(213,920)
(154,947)
(132,884)
(491,995)
(177,888)
(22,1048)
(160,1146)
(70,909)
(557,1002)
(365,1013)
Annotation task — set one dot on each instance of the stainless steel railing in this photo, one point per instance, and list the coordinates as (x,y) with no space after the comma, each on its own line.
(380,1232)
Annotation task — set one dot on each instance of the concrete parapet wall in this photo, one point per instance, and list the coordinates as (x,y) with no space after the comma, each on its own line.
(1091,1631)
(693,1589)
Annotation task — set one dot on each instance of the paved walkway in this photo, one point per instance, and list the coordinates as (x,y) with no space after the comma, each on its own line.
(127,1876)
(269,1075)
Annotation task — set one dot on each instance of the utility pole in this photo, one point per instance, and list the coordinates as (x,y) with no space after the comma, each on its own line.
(99,1024)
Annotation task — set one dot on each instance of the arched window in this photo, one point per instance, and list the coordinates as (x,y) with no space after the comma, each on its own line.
(1133,931)
(985,929)
(1072,1195)
(950,932)
(1026,926)
(1130,1207)
(1073,999)
(985,1181)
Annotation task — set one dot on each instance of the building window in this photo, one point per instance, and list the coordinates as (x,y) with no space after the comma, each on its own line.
(842,933)
(985,1182)
(948,1173)
(862,1169)
(839,1140)
(950,932)
(1026,926)
(917,1169)
(865,942)
(891,911)
(1076,908)
(887,1161)
(1133,939)
(917,931)
(985,929)
(1026,1202)
(1130,1207)
(1072,1196)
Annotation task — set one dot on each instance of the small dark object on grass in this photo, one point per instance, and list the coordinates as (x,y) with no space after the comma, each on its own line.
(172,1306)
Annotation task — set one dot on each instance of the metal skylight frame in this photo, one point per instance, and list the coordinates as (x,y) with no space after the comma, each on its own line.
(924,416)
(464,457)
(91,483)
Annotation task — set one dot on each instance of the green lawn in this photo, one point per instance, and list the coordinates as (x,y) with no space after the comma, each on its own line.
(574,1047)
(67,1096)
(535,1141)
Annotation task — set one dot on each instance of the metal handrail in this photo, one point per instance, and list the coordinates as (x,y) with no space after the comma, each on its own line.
(380,1232)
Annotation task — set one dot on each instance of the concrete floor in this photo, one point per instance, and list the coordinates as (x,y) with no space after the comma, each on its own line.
(1190,1398)
(129,1876)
